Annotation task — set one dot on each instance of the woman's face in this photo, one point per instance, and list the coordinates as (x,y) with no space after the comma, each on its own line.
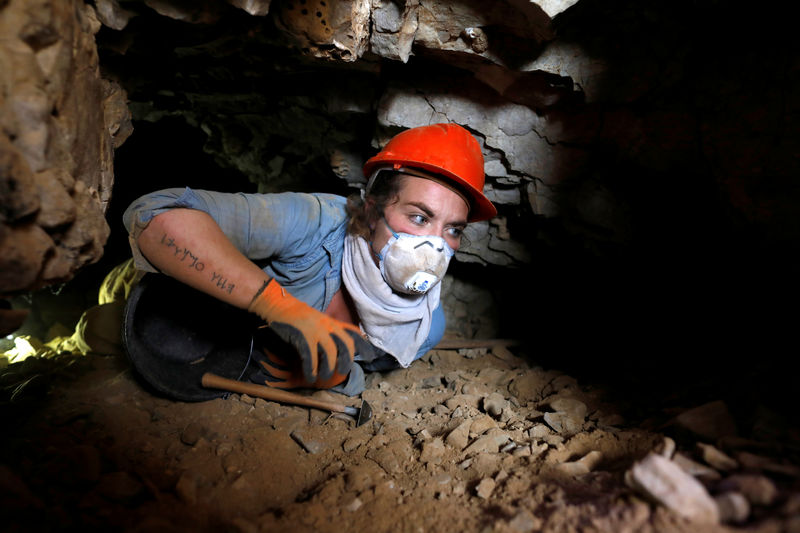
(423,207)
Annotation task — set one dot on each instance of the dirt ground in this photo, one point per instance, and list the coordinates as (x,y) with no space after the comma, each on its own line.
(463,440)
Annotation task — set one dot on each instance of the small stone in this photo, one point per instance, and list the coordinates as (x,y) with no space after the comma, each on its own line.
(694,468)
(572,468)
(351,444)
(524,522)
(539,431)
(710,421)
(459,437)
(386,458)
(752,462)
(584,465)
(758,489)
(538,450)
(662,480)
(716,458)
(249,400)
(431,382)
(554,440)
(473,389)
(462,400)
(440,409)
(494,404)
(452,378)
(384,386)
(563,423)
(224,448)
(309,444)
(354,505)
(485,488)
(733,507)
(432,451)
(488,443)
(186,488)
(575,408)
(191,434)
(472,353)
(242,484)
(666,448)
(481,424)
(522,451)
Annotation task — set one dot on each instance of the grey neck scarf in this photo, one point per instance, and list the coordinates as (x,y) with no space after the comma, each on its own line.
(396,323)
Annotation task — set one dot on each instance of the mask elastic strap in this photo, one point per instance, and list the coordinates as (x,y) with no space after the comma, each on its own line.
(394,233)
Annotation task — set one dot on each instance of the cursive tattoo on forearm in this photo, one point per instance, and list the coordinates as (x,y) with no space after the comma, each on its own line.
(184,255)
(222,283)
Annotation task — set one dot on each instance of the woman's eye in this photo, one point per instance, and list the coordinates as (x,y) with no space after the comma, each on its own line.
(455,232)
(418,219)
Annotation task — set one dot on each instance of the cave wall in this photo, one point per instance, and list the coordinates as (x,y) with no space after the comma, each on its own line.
(60,121)
(642,158)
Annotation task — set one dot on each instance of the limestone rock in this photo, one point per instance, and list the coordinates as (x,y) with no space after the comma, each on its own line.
(60,123)
(432,451)
(58,208)
(710,421)
(22,251)
(694,468)
(716,458)
(758,489)
(733,507)
(257,8)
(485,488)
(665,482)
(111,14)
(458,438)
(568,417)
(494,404)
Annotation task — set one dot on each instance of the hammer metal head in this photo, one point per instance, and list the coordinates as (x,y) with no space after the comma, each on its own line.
(364,414)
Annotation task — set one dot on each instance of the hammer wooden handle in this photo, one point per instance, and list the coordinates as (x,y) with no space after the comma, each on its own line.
(214,381)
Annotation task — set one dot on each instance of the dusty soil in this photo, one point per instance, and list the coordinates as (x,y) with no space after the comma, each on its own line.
(85,445)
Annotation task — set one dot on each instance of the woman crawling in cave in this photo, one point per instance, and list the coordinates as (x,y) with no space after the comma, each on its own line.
(343,285)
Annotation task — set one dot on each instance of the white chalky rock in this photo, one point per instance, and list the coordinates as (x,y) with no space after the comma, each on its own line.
(666,483)
(733,507)
(666,447)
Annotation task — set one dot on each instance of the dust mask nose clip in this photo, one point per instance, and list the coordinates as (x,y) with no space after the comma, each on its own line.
(413,264)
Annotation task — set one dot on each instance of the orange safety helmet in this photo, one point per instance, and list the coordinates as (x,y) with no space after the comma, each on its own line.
(447,150)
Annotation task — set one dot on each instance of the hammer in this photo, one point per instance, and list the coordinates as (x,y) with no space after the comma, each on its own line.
(362,414)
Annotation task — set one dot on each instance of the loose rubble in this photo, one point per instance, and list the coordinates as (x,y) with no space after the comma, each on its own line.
(478,443)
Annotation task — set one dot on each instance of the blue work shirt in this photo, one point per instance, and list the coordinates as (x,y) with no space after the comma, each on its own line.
(296,238)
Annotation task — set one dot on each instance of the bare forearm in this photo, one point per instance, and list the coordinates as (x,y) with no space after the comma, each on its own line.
(189,246)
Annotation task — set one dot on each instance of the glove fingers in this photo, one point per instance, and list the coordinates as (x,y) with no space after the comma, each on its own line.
(324,369)
(344,356)
(274,373)
(295,337)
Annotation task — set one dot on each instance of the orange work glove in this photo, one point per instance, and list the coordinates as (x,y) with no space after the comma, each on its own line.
(282,374)
(325,345)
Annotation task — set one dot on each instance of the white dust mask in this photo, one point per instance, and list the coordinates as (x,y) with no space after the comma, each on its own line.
(413,264)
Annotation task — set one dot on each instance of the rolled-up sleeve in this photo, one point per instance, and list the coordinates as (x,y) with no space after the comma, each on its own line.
(261,226)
